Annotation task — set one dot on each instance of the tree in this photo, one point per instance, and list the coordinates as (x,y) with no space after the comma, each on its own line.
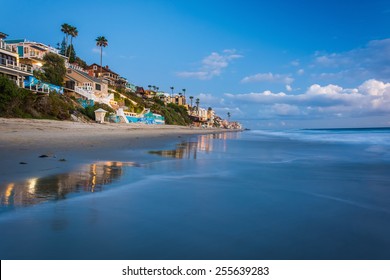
(172,88)
(63,47)
(191,97)
(72,54)
(81,62)
(101,42)
(228,115)
(197,104)
(184,92)
(53,69)
(66,28)
(73,32)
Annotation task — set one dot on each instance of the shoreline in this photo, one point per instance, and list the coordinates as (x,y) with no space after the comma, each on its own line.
(67,144)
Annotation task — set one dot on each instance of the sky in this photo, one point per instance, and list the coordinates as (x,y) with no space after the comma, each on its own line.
(271,64)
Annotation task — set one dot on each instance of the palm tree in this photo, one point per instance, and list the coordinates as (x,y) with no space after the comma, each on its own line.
(66,28)
(150,87)
(101,42)
(228,115)
(172,88)
(184,92)
(197,104)
(191,97)
(73,33)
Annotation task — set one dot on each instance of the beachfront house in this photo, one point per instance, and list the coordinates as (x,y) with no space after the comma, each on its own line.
(130,87)
(178,99)
(32,53)
(78,82)
(202,117)
(175,99)
(10,65)
(106,73)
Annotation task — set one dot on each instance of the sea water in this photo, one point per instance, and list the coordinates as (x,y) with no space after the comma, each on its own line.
(298,194)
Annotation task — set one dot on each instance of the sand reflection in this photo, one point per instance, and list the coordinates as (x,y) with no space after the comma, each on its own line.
(203,143)
(89,178)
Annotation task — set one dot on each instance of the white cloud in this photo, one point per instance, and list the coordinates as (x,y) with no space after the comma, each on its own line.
(372,98)
(328,90)
(212,65)
(375,88)
(268,77)
(288,88)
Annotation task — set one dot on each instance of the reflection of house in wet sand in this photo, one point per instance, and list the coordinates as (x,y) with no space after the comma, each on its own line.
(183,150)
(190,149)
(89,178)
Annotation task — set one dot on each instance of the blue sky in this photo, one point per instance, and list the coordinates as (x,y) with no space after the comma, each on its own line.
(271,64)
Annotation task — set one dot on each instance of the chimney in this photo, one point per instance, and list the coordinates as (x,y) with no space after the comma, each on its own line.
(107,67)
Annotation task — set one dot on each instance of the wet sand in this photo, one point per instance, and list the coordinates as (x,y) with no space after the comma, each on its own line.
(42,147)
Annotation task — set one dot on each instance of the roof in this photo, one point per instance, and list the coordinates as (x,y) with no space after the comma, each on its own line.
(104,69)
(3,35)
(14,41)
(100,110)
(85,75)
(38,48)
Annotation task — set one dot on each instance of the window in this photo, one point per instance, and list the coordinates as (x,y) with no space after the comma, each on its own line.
(94,67)
(98,87)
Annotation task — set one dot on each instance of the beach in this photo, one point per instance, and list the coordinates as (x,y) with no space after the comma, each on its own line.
(23,141)
(176,195)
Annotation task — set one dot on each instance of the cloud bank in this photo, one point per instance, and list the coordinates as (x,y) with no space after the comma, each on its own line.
(372,98)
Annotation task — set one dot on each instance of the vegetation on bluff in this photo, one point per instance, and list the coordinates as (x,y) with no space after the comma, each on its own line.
(53,70)
(21,103)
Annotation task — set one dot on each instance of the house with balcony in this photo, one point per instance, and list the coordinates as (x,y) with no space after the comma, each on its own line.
(202,117)
(178,99)
(78,82)
(31,53)
(10,65)
(105,73)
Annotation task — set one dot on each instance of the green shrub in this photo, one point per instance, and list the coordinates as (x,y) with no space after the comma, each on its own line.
(21,103)
(90,111)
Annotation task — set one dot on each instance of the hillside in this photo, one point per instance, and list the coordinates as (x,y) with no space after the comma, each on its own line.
(21,103)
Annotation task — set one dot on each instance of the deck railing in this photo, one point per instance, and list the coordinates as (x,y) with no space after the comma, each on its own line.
(4,46)
(87,94)
(16,66)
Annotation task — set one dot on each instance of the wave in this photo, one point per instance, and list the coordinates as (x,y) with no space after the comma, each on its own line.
(347,136)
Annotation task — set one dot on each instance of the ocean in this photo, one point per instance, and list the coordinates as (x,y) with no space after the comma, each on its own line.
(259,194)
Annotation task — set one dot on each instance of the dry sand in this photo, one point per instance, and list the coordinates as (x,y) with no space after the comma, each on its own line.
(23,141)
